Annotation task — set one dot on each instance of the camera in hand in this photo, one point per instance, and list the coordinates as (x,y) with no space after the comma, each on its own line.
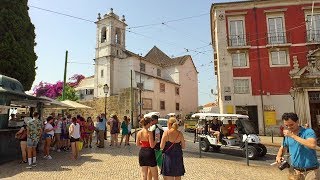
(283,165)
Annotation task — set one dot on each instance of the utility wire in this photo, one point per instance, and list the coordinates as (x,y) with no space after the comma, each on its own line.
(83,19)
(170,21)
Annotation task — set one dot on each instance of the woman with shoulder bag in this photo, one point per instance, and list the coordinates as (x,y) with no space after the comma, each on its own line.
(21,135)
(172,143)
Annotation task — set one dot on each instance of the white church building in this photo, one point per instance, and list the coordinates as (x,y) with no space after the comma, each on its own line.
(169,85)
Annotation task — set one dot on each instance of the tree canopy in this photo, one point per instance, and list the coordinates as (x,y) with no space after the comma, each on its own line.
(17,42)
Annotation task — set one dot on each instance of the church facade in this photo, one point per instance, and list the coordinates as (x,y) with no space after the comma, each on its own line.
(168,85)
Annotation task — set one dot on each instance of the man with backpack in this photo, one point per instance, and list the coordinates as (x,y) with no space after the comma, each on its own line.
(157,131)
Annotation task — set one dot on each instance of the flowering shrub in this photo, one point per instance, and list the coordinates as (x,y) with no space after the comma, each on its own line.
(54,91)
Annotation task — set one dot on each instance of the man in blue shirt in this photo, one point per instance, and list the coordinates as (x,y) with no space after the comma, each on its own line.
(301,144)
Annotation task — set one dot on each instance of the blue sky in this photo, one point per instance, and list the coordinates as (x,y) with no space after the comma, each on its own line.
(57,33)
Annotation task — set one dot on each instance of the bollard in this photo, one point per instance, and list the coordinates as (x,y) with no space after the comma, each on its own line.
(199,148)
(272,136)
(247,153)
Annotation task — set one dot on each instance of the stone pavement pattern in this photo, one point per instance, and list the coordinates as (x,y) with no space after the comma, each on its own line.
(122,163)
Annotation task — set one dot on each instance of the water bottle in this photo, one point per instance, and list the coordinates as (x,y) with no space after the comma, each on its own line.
(157,134)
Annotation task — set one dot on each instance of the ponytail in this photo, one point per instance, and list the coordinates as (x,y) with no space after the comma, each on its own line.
(173,123)
(175,126)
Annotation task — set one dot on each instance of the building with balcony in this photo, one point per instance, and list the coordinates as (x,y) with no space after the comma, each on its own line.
(167,85)
(267,59)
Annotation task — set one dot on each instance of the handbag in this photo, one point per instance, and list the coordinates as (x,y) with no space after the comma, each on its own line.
(22,135)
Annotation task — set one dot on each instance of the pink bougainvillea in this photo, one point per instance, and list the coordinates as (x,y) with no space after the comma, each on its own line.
(55,90)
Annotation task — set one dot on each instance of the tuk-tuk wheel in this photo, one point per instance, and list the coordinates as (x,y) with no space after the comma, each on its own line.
(204,145)
(252,152)
(262,150)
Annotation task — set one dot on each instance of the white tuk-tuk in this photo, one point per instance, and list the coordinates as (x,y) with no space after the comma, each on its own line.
(243,130)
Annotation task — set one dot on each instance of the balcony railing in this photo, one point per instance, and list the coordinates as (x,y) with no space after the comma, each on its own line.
(278,38)
(238,40)
(313,36)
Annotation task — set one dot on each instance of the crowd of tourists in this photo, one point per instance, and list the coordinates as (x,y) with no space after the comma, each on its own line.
(159,150)
(64,133)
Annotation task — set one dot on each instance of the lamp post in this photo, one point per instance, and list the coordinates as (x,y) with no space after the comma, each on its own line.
(292,94)
(105,90)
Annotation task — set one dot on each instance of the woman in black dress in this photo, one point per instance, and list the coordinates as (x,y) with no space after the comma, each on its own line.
(147,157)
(172,144)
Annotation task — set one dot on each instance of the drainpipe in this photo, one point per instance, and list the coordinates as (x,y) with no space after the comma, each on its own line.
(259,66)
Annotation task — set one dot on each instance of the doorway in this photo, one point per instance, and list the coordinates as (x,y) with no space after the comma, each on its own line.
(252,112)
(314,104)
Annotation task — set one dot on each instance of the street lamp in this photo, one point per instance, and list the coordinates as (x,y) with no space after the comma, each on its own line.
(105,90)
(292,92)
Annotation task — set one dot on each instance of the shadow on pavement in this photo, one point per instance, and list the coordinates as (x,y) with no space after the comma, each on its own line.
(61,162)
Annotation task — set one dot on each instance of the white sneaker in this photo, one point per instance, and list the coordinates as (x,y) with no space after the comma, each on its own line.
(58,150)
(49,157)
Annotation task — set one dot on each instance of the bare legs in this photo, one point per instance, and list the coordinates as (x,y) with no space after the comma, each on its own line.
(114,139)
(23,145)
(75,151)
(47,146)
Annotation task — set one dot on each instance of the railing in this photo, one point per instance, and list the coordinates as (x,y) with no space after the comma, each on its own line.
(313,36)
(278,38)
(238,40)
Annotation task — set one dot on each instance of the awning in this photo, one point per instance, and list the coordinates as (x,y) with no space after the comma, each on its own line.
(54,103)
(75,105)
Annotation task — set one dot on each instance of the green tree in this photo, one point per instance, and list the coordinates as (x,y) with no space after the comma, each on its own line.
(70,94)
(17,41)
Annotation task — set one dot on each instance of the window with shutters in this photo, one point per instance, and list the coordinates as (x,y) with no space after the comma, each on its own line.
(276,32)
(239,59)
(236,33)
(142,67)
(162,87)
(279,58)
(313,28)
(162,105)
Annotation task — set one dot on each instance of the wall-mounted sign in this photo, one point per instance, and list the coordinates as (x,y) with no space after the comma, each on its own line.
(229,109)
(269,108)
(227,98)
(270,118)
(146,103)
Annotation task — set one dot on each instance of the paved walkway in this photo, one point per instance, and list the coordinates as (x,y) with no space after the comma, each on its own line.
(122,163)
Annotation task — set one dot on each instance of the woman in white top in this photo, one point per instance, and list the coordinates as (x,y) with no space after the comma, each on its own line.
(48,135)
(74,132)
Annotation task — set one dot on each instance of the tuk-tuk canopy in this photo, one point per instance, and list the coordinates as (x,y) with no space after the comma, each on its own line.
(221,117)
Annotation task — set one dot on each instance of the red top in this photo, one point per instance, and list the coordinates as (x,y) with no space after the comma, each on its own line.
(145,144)
(231,128)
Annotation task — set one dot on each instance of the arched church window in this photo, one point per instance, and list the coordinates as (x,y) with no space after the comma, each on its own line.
(118,36)
(103,34)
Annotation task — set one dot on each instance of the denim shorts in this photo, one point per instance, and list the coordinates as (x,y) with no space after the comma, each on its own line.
(31,143)
(48,136)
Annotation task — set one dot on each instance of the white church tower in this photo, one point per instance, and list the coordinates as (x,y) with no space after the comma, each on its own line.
(110,46)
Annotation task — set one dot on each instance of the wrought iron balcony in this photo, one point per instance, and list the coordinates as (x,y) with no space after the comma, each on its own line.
(238,40)
(278,38)
(313,36)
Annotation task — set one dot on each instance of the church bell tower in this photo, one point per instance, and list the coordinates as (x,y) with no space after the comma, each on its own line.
(110,46)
